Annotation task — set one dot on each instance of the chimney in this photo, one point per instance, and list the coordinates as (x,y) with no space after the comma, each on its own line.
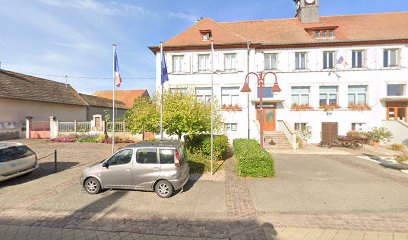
(307,11)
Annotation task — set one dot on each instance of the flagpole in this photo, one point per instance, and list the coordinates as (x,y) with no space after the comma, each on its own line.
(113,100)
(212,107)
(161,96)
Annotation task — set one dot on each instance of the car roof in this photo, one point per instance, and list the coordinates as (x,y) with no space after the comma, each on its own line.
(4,145)
(174,144)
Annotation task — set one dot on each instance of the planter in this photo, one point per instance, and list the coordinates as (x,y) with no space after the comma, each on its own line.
(302,143)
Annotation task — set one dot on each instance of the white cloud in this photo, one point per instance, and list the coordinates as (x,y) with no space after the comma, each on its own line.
(116,8)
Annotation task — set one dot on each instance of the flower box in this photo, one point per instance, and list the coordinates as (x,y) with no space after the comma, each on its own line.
(359,107)
(329,107)
(302,107)
(233,108)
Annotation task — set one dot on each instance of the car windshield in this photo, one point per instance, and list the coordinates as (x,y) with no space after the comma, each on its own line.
(17,152)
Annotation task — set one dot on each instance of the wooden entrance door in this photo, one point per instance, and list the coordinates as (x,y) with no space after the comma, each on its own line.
(329,132)
(397,110)
(269,119)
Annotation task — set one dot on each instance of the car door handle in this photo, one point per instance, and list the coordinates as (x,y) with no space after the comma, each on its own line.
(156,168)
(128,170)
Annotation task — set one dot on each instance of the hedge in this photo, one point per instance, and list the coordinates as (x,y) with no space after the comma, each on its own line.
(201,143)
(252,160)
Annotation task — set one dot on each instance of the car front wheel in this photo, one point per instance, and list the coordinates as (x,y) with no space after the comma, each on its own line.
(92,186)
(164,189)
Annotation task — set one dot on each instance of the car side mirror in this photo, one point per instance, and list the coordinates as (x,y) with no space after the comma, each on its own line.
(105,164)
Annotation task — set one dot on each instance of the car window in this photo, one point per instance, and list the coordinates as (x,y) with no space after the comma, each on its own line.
(182,154)
(17,152)
(121,157)
(146,156)
(166,156)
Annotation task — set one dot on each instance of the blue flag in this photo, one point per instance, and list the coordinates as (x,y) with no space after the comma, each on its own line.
(164,74)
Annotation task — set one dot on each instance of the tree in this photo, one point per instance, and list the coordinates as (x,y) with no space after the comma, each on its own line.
(143,116)
(182,114)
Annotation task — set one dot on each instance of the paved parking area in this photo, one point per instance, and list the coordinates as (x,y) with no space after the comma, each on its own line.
(312,197)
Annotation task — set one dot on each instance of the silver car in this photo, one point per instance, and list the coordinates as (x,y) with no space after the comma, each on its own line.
(150,166)
(16,159)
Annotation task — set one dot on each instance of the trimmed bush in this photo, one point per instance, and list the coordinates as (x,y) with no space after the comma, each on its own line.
(252,160)
(202,144)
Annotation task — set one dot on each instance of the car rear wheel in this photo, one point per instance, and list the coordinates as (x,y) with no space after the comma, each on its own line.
(164,189)
(92,186)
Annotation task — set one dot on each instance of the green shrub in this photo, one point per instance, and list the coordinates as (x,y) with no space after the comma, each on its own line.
(202,144)
(381,134)
(397,147)
(403,157)
(87,139)
(199,163)
(252,160)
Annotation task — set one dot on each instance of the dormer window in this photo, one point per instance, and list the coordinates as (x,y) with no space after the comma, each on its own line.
(322,32)
(205,35)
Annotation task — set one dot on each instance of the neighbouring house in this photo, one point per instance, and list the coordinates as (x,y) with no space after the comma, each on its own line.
(26,97)
(100,105)
(336,73)
(126,96)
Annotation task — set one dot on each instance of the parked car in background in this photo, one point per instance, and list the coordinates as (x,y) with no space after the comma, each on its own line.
(150,166)
(16,159)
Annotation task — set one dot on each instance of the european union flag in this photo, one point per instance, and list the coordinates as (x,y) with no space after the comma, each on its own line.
(164,74)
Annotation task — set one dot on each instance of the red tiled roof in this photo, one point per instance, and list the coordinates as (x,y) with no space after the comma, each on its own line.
(126,96)
(363,27)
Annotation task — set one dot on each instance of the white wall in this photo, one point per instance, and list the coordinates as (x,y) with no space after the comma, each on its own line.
(18,110)
(373,75)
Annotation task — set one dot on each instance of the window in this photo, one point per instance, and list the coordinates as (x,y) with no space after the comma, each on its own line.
(266,92)
(166,156)
(230,96)
(204,62)
(146,156)
(178,64)
(14,153)
(178,90)
(358,126)
(300,126)
(300,59)
(203,94)
(271,61)
(395,89)
(121,157)
(390,57)
(205,35)
(328,95)
(229,60)
(358,59)
(328,60)
(230,127)
(323,33)
(300,96)
(357,94)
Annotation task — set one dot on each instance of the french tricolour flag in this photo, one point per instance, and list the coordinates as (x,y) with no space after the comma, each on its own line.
(118,79)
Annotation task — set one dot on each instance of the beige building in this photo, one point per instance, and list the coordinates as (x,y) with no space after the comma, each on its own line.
(23,96)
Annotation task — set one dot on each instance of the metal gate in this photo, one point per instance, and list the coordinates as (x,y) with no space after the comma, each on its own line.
(40,129)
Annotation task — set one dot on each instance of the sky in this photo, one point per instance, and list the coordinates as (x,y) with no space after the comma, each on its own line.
(54,38)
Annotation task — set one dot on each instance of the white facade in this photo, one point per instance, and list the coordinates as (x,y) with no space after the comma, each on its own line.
(372,76)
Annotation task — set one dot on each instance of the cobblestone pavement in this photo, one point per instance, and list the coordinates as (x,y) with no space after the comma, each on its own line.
(53,206)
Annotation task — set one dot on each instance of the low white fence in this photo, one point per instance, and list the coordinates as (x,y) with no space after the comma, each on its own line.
(74,127)
(119,127)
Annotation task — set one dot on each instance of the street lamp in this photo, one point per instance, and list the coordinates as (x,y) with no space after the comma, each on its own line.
(261,81)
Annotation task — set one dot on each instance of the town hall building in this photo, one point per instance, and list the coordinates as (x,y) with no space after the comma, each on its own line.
(336,73)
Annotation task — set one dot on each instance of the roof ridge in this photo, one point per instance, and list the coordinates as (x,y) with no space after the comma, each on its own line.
(294,18)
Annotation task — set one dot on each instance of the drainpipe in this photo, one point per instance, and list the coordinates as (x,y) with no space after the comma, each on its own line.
(248,102)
